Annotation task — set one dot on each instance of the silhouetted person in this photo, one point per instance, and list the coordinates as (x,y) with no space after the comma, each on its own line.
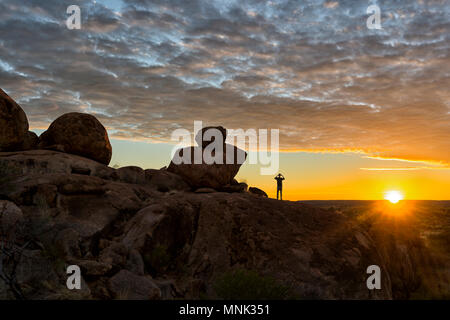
(279,179)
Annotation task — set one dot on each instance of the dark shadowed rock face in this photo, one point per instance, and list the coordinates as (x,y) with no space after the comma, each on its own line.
(312,250)
(133,242)
(13,124)
(10,216)
(131,174)
(165,181)
(78,133)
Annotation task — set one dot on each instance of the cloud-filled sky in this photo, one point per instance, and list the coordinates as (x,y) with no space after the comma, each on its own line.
(310,68)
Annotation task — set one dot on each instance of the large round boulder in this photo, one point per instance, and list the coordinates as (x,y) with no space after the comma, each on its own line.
(209,165)
(13,124)
(78,133)
(211,171)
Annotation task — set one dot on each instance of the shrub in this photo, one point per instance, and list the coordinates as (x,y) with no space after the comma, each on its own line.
(244,284)
(158,259)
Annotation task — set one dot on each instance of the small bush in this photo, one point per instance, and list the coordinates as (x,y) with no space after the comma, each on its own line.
(249,285)
(158,259)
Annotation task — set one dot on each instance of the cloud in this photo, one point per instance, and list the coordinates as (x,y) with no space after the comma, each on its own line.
(145,68)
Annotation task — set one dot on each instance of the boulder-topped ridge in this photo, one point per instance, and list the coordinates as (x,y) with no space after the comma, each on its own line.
(172,244)
(83,135)
(156,244)
(160,234)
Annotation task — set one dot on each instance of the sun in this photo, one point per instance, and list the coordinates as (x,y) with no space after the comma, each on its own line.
(393,196)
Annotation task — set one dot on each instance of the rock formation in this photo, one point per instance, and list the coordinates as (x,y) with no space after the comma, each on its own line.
(201,167)
(134,241)
(78,133)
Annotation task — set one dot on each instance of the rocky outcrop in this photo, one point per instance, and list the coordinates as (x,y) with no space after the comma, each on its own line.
(133,241)
(166,234)
(13,124)
(78,133)
(298,245)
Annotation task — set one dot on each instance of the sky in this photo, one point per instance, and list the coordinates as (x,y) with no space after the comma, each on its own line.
(360,111)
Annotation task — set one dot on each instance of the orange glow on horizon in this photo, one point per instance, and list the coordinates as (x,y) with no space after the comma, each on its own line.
(358,185)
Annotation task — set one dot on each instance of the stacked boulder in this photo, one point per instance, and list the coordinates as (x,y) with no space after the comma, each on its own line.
(211,164)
